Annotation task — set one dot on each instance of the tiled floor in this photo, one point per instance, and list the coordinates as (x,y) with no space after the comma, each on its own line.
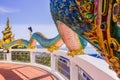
(10,71)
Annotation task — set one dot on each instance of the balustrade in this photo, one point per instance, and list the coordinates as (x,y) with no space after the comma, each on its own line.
(81,67)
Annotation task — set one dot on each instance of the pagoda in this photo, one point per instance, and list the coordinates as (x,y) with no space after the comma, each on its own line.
(7,33)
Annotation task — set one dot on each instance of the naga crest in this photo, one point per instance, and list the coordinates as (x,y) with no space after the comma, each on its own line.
(97,21)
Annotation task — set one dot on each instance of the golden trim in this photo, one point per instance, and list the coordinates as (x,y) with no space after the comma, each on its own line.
(52,48)
(105,10)
(75,52)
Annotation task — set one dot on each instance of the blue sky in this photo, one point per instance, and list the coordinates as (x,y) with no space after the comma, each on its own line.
(25,13)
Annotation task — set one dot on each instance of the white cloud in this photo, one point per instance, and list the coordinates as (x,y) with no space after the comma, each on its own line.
(8,10)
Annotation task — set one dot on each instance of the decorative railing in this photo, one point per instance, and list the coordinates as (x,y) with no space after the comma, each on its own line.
(20,56)
(83,67)
(43,58)
(3,56)
(63,66)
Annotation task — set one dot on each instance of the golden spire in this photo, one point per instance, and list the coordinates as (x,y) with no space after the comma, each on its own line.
(7,33)
(8,23)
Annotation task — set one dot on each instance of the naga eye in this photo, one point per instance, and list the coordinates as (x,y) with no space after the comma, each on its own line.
(103,26)
(112,46)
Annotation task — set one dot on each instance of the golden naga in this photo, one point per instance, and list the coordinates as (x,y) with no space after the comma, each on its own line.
(96,21)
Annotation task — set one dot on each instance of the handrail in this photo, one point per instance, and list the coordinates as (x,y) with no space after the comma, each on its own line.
(96,68)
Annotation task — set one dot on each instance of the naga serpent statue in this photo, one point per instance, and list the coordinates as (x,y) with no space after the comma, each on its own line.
(82,21)
(96,21)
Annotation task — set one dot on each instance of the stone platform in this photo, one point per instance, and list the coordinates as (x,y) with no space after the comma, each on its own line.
(9,71)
